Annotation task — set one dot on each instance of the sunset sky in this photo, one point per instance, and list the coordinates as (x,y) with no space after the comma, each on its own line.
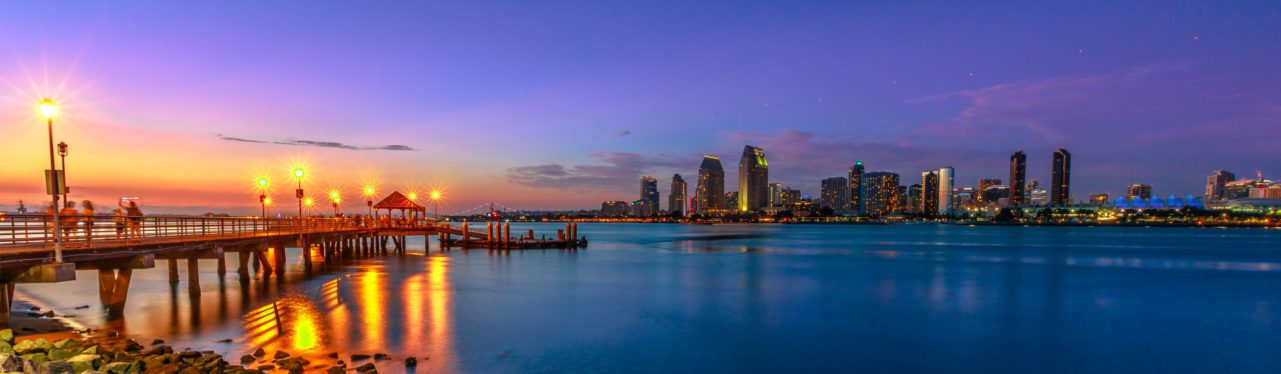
(558,105)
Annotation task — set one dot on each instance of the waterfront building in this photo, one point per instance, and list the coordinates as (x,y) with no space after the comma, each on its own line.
(965,197)
(676,199)
(614,208)
(1100,199)
(880,188)
(775,194)
(995,194)
(1215,183)
(1268,192)
(1038,197)
(834,193)
(1061,178)
(641,208)
(929,193)
(913,201)
(856,187)
(984,183)
(753,180)
(1138,190)
(1018,176)
(731,198)
(709,195)
(790,197)
(1238,189)
(649,195)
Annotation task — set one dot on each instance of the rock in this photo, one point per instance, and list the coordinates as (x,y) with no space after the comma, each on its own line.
(336,370)
(91,350)
(48,314)
(411,362)
(358,357)
(161,350)
(189,354)
(259,352)
(35,357)
(368,367)
(70,344)
(267,367)
(54,367)
(332,355)
(381,356)
(34,309)
(116,368)
(58,354)
(82,307)
(281,354)
(247,359)
(224,341)
(10,363)
(32,346)
(341,363)
(6,336)
(157,342)
(5,347)
(292,363)
(132,346)
(82,363)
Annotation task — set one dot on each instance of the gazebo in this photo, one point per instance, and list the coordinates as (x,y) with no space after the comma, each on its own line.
(398,201)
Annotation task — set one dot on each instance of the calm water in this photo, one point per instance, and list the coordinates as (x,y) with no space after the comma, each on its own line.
(762,298)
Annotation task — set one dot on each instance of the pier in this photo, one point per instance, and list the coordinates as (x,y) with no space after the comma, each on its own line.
(115,246)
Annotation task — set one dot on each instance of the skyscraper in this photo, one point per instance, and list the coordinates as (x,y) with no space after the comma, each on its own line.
(753,180)
(1139,190)
(1061,178)
(676,199)
(856,187)
(1018,178)
(835,192)
(1215,183)
(731,198)
(649,195)
(930,193)
(880,189)
(710,193)
(947,181)
(775,194)
(984,184)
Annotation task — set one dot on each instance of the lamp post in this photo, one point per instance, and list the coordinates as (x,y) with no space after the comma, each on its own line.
(435,205)
(413,197)
(335,198)
(262,195)
(48,109)
(298,174)
(369,200)
(62,153)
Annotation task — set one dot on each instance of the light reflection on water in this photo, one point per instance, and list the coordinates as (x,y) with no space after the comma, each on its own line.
(735,298)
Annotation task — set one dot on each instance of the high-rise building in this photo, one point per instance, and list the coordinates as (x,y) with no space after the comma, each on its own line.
(856,187)
(731,198)
(615,209)
(676,199)
(1100,199)
(984,183)
(947,181)
(790,197)
(913,202)
(710,192)
(649,195)
(879,189)
(1018,178)
(1038,197)
(753,180)
(930,193)
(1138,190)
(1061,177)
(775,194)
(1215,183)
(835,192)
(993,195)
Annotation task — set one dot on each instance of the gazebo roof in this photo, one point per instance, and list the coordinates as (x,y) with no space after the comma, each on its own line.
(397,201)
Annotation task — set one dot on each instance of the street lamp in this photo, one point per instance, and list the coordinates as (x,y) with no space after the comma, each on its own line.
(336,198)
(48,109)
(262,195)
(298,174)
(435,205)
(62,153)
(413,197)
(369,199)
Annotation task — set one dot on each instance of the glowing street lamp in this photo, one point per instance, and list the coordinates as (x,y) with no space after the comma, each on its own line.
(298,174)
(48,109)
(369,199)
(62,153)
(262,196)
(435,205)
(335,198)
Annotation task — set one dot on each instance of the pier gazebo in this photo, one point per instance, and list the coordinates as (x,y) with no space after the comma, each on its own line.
(398,201)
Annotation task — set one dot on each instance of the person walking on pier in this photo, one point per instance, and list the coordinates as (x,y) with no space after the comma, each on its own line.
(118,217)
(87,216)
(135,218)
(69,220)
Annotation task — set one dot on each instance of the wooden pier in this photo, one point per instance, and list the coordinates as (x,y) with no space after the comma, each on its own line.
(115,247)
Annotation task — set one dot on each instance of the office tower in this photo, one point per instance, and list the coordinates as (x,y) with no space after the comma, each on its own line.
(775,195)
(1018,178)
(790,197)
(913,202)
(1100,199)
(835,193)
(930,193)
(992,195)
(1038,197)
(1138,190)
(676,199)
(984,183)
(879,189)
(1061,178)
(753,180)
(710,192)
(615,209)
(900,200)
(947,181)
(648,196)
(1215,183)
(856,187)
(732,198)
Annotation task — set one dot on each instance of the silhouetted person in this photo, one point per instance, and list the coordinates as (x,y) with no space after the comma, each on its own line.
(135,218)
(69,219)
(87,216)
(118,217)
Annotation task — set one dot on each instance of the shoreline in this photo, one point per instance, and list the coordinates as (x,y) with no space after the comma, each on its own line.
(1006,224)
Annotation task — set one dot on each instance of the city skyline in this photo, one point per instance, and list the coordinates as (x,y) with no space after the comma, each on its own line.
(469,100)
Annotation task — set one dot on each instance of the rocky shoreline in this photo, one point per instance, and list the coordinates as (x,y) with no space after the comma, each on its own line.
(121,355)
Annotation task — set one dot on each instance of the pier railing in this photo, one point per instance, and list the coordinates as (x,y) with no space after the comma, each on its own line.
(78,231)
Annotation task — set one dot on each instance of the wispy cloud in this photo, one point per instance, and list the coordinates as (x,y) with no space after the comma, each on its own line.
(322,144)
(609,171)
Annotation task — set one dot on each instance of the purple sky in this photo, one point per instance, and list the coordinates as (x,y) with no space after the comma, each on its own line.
(561,105)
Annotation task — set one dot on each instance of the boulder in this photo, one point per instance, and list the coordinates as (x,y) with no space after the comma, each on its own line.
(259,352)
(281,354)
(91,350)
(116,368)
(268,367)
(32,346)
(411,362)
(54,367)
(69,344)
(292,363)
(247,359)
(10,363)
(368,367)
(5,347)
(59,354)
(6,336)
(82,363)
(381,356)
(336,370)
(35,358)
(358,357)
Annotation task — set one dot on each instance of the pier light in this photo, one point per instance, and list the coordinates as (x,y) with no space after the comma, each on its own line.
(47,108)
(435,195)
(333,195)
(298,172)
(266,201)
(308,201)
(262,182)
(413,196)
(369,191)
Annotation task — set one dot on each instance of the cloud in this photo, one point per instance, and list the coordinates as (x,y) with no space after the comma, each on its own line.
(609,171)
(624,133)
(323,144)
